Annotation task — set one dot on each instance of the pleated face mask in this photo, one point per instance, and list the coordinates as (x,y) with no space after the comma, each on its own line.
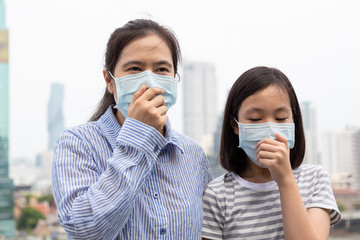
(127,85)
(251,134)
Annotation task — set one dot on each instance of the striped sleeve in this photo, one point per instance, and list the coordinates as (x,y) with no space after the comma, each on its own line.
(97,206)
(213,215)
(323,195)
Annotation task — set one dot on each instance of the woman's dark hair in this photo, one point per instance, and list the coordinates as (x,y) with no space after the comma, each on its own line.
(233,158)
(120,38)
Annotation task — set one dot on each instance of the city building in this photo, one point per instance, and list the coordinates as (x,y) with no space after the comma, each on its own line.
(7,223)
(310,127)
(43,163)
(340,154)
(328,153)
(22,165)
(55,113)
(214,158)
(200,102)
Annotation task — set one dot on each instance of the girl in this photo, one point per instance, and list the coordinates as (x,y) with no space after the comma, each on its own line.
(266,194)
(127,174)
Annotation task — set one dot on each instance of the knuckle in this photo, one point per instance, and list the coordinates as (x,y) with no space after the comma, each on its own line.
(151,90)
(278,156)
(154,111)
(160,98)
(283,151)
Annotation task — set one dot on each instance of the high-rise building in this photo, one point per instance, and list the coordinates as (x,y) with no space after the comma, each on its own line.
(55,113)
(200,102)
(309,120)
(341,156)
(214,158)
(7,223)
(328,151)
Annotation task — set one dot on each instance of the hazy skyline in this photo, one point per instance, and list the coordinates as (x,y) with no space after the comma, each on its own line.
(315,43)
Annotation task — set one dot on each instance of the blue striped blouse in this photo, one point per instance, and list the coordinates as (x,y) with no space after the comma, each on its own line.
(128,182)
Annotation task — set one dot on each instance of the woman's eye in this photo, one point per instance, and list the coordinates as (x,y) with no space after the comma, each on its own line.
(162,70)
(134,69)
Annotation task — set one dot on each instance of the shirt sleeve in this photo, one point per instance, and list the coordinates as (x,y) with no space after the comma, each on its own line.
(206,171)
(213,216)
(323,196)
(94,206)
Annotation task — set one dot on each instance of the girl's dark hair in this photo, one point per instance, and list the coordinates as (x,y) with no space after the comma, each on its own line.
(120,38)
(233,158)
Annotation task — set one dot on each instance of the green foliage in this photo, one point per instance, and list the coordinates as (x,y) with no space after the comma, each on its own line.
(49,198)
(357,206)
(341,206)
(28,219)
(27,197)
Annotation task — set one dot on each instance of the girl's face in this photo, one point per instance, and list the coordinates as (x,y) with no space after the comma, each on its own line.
(271,104)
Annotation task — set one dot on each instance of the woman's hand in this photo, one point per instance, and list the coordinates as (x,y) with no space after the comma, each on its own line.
(275,155)
(148,106)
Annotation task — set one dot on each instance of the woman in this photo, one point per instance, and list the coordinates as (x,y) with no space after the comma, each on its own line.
(127,174)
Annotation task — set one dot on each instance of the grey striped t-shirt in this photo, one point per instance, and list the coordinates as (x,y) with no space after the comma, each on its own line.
(237,209)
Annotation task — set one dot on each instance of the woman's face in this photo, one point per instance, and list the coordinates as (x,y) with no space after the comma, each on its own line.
(271,104)
(148,53)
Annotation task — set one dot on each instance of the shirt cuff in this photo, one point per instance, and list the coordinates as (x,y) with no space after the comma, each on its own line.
(141,136)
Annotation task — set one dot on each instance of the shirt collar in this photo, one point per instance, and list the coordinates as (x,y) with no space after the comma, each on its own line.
(173,137)
(110,127)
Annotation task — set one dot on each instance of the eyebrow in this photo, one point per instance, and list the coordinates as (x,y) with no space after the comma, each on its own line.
(132,63)
(260,110)
(127,64)
(163,63)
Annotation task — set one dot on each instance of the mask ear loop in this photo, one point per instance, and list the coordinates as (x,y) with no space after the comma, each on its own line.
(236,121)
(114,80)
(177,77)
(238,130)
(111,75)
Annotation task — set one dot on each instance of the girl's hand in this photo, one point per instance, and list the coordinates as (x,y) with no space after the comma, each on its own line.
(148,106)
(275,155)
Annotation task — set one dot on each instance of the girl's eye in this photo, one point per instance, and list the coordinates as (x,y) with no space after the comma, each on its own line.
(254,119)
(281,119)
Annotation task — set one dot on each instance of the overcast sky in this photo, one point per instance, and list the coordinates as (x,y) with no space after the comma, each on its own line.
(315,43)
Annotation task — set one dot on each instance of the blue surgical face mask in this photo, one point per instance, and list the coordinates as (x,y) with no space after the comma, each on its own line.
(127,85)
(251,134)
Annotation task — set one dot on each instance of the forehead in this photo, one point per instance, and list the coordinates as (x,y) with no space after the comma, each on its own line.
(271,97)
(148,45)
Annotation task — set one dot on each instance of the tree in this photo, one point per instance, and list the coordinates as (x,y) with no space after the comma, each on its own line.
(341,206)
(28,219)
(49,198)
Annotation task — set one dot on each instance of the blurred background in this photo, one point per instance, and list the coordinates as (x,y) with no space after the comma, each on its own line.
(51,61)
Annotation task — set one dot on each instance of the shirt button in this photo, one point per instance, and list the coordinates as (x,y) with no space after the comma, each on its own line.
(156,148)
(156,195)
(162,231)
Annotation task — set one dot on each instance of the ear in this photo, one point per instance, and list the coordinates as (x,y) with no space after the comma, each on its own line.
(110,83)
(234,126)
